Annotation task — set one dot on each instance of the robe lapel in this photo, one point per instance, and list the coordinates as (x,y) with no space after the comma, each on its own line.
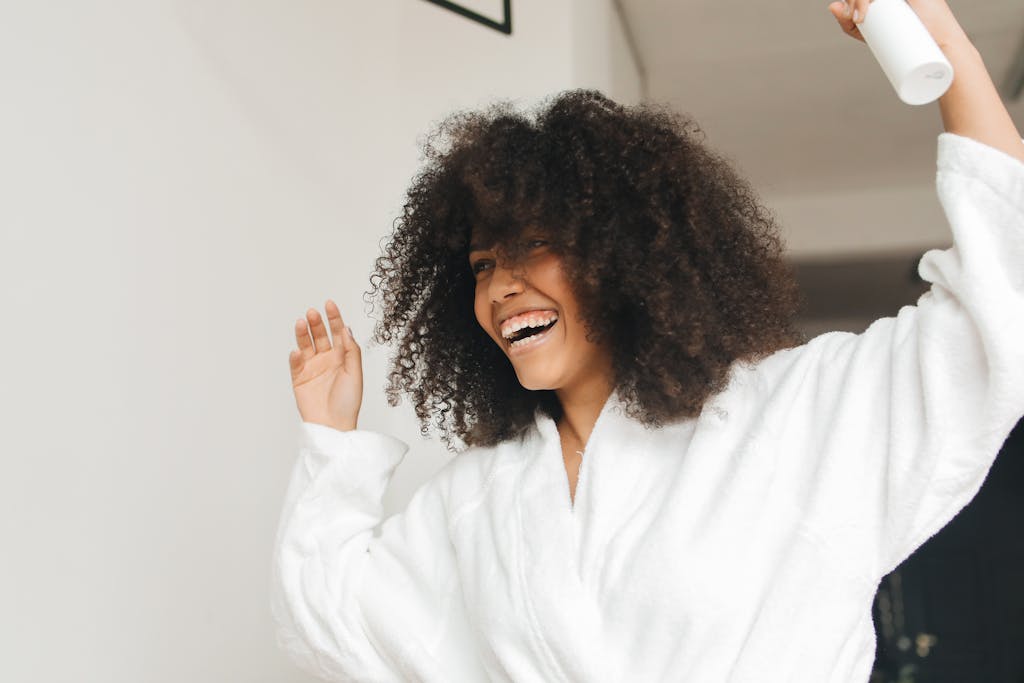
(556,541)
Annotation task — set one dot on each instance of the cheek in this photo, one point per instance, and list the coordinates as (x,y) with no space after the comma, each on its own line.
(551,276)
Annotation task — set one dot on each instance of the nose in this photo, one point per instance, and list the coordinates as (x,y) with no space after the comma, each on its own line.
(505,281)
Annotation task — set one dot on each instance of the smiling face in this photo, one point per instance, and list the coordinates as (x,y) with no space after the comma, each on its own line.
(560,358)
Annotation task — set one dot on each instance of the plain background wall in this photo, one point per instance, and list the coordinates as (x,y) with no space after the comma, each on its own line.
(179,182)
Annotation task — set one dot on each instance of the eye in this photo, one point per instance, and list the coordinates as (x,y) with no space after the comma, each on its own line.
(478,266)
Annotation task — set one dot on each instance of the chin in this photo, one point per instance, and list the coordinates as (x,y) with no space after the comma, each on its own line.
(534,383)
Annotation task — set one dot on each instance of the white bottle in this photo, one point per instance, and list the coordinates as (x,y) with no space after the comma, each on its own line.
(907,53)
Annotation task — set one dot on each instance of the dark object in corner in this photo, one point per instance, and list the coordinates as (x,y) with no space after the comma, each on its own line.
(505,26)
(953,611)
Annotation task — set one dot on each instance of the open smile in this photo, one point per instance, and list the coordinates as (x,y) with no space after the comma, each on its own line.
(526,344)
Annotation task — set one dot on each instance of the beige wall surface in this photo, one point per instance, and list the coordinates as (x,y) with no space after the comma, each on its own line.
(179,181)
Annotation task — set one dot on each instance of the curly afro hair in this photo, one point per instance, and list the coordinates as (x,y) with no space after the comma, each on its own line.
(667,250)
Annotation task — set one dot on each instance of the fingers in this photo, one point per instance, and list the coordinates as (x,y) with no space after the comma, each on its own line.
(839,11)
(298,358)
(343,338)
(313,325)
(316,325)
(353,354)
(859,10)
(336,323)
(295,362)
(303,340)
(311,335)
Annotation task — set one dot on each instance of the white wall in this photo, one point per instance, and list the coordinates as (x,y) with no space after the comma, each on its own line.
(603,56)
(179,181)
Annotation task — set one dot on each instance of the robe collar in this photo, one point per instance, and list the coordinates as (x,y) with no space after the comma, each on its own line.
(614,430)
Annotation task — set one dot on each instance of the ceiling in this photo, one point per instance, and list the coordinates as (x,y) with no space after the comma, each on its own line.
(799,106)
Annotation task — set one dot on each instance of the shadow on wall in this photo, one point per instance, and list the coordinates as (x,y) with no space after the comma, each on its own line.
(850,293)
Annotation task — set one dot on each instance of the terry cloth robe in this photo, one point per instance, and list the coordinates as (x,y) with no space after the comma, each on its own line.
(742,545)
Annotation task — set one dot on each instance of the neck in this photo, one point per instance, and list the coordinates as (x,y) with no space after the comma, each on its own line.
(581,404)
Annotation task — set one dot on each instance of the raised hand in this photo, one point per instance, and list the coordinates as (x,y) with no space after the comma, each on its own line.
(327,378)
(936,16)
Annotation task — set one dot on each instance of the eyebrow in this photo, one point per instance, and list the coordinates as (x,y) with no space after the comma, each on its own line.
(481,247)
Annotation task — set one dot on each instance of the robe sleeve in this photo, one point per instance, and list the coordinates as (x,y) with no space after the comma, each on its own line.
(350,605)
(897,427)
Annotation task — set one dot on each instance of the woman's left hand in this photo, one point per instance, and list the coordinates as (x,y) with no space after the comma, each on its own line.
(936,16)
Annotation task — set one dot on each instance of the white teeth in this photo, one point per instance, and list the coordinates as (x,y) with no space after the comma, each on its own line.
(535,320)
(528,341)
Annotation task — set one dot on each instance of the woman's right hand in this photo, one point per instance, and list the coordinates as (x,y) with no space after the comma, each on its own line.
(327,379)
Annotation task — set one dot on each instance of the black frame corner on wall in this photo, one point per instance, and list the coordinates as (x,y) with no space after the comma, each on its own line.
(505,26)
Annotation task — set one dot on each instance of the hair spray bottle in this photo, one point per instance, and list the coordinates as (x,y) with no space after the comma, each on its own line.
(907,53)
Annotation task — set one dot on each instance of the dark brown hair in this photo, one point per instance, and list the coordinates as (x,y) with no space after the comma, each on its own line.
(668,250)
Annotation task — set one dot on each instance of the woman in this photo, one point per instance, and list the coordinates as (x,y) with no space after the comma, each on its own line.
(663,481)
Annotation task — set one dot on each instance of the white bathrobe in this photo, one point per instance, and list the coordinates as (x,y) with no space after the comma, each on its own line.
(743,545)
